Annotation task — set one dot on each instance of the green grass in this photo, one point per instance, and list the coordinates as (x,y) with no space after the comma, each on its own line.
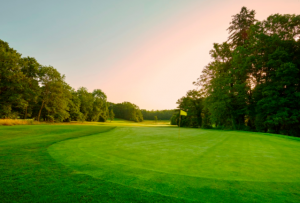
(145,163)
(122,122)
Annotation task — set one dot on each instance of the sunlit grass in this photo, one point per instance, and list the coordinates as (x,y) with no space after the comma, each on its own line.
(123,161)
(200,165)
(115,122)
(120,122)
(10,122)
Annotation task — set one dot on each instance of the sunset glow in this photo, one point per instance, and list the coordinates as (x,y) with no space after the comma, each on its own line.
(145,52)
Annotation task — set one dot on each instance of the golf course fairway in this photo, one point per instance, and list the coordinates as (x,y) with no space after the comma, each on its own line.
(197,165)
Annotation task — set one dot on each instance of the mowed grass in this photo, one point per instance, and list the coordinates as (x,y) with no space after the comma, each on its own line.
(122,122)
(145,163)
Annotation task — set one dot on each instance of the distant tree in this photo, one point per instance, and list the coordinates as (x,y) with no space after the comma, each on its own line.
(192,103)
(128,111)
(155,119)
(111,115)
(100,106)
(174,119)
(74,107)
(161,114)
(87,101)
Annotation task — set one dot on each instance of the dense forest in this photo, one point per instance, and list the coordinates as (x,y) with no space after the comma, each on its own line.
(160,114)
(252,82)
(31,90)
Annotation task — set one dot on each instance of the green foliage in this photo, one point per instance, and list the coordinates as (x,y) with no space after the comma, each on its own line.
(31,92)
(253,81)
(11,82)
(28,89)
(86,100)
(111,115)
(127,111)
(240,25)
(161,114)
(55,94)
(100,106)
(192,103)
(174,119)
(74,107)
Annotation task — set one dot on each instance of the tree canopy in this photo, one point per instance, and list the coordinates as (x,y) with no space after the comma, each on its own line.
(253,80)
(161,114)
(30,90)
(127,111)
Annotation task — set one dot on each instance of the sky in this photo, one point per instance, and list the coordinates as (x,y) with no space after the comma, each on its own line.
(147,52)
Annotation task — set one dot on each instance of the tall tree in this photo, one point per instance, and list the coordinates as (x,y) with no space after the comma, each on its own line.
(100,106)
(240,25)
(11,82)
(111,115)
(253,80)
(55,94)
(31,90)
(87,101)
(74,107)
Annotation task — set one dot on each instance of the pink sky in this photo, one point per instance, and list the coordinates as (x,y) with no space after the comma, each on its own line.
(162,68)
(145,52)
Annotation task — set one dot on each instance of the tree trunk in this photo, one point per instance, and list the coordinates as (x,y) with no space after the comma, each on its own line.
(40,111)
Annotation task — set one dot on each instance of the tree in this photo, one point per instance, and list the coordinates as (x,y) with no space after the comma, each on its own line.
(100,106)
(240,25)
(161,114)
(174,119)
(192,103)
(155,119)
(31,91)
(128,111)
(74,107)
(87,101)
(55,94)
(111,115)
(28,89)
(11,82)
(253,81)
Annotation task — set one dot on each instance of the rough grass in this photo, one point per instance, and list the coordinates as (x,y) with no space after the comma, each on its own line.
(138,163)
(10,122)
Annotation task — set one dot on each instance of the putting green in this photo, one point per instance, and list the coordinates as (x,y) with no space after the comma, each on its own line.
(156,159)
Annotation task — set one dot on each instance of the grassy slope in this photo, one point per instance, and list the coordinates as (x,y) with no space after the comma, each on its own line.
(202,165)
(29,174)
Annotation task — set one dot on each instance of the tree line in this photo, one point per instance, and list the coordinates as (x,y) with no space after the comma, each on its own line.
(31,90)
(253,80)
(160,114)
(127,111)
